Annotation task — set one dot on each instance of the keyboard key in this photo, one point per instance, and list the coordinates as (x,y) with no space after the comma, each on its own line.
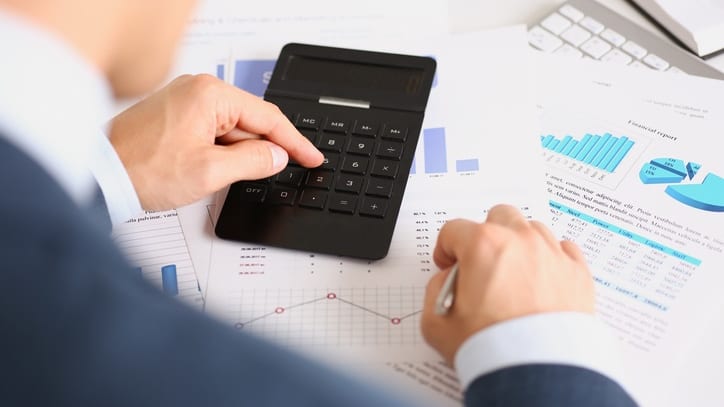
(569,51)
(313,199)
(576,35)
(292,117)
(349,183)
(395,132)
(343,203)
(361,146)
(292,176)
(331,142)
(379,187)
(596,47)
(543,40)
(385,168)
(356,165)
(613,37)
(375,207)
(331,161)
(282,196)
(319,179)
(390,149)
(571,12)
(617,57)
(638,64)
(365,129)
(634,49)
(337,125)
(310,135)
(655,62)
(674,69)
(556,23)
(308,122)
(591,25)
(251,192)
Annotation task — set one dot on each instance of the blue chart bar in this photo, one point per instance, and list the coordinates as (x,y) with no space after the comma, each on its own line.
(253,75)
(220,72)
(414,165)
(169,280)
(467,165)
(603,152)
(435,150)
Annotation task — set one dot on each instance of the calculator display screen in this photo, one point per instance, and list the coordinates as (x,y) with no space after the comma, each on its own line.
(406,80)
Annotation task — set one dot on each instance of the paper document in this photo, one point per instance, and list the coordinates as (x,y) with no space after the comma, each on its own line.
(366,314)
(633,179)
(156,245)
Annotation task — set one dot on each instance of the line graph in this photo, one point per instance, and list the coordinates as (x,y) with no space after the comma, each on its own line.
(340,316)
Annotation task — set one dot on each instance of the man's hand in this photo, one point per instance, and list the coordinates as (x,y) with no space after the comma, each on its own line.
(199,134)
(509,267)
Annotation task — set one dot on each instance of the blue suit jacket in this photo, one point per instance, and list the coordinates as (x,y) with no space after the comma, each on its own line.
(78,328)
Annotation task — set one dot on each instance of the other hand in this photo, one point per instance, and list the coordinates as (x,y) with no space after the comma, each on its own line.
(509,267)
(199,134)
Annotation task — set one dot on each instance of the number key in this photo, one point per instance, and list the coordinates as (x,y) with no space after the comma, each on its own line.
(349,183)
(319,179)
(331,142)
(357,165)
(360,146)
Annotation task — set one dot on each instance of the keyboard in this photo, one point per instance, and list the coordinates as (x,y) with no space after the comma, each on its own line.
(587,29)
(349,205)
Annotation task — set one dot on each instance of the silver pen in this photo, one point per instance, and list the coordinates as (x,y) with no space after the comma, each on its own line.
(445,298)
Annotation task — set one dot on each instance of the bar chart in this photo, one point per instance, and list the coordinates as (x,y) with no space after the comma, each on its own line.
(435,155)
(604,152)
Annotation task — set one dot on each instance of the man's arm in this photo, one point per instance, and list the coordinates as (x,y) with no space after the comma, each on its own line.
(522,330)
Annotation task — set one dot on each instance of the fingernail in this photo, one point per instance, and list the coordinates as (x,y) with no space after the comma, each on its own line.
(279,157)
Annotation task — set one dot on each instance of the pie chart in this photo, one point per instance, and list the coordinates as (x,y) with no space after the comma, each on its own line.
(707,195)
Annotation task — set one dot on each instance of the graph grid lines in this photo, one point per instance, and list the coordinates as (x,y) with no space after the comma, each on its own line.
(331,317)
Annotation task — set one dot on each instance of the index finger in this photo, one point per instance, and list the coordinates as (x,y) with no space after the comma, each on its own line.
(451,240)
(258,116)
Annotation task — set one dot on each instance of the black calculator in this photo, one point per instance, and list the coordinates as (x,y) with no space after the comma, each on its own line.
(364,111)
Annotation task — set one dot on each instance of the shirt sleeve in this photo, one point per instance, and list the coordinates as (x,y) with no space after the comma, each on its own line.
(113,180)
(563,338)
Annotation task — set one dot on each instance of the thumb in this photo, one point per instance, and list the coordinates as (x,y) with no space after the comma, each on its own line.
(248,160)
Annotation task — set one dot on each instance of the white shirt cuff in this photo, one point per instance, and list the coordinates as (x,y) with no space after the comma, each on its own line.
(564,338)
(118,191)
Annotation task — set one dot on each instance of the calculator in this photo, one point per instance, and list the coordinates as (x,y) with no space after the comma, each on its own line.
(364,111)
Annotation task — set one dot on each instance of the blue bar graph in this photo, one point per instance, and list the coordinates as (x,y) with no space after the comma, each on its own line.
(220,72)
(604,152)
(467,165)
(413,167)
(435,150)
(253,75)
(169,280)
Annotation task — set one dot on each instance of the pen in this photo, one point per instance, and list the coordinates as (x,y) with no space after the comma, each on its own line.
(447,293)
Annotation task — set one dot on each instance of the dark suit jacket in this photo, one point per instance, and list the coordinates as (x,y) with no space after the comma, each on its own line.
(78,328)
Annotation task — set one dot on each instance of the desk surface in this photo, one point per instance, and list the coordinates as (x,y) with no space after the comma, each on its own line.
(468,15)
(702,387)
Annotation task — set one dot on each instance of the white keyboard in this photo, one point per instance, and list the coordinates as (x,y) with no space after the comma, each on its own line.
(586,29)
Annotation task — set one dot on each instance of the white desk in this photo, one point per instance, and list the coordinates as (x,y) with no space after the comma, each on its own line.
(468,15)
(703,386)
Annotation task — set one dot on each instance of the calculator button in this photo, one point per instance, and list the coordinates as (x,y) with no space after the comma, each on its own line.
(375,207)
(360,146)
(319,179)
(331,161)
(390,149)
(310,135)
(292,117)
(349,183)
(266,180)
(331,142)
(365,129)
(308,122)
(337,125)
(313,199)
(395,132)
(385,168)
(282,196)
(379,187)
(253,192)
(357,165)
(343,203)
(291,176)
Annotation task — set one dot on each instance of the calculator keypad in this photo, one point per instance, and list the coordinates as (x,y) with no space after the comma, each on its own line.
(361,162)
